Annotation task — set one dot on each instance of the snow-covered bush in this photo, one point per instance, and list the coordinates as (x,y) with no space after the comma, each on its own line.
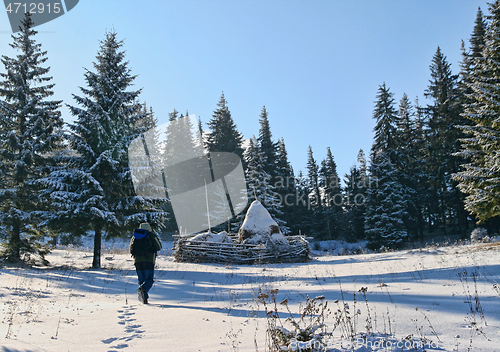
(307,333)
(479,235)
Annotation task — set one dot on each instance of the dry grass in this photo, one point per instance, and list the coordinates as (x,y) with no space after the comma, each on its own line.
(489,246)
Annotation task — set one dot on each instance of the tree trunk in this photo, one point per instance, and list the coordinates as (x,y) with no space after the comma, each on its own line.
(54,241)
(15,243)
(96,262)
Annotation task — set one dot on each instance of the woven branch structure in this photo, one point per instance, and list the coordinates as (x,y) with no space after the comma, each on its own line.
(188,250)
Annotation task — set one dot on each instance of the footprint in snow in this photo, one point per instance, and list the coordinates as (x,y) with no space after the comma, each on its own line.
(120,346)
(108,341)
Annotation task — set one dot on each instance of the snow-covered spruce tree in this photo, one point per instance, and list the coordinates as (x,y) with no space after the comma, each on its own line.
(259,184)
(357,183)
(300,209)
(178,146)
(267,146)
(332,196)
(385,205)
(314,223)
(354,216)
(96,192)
(409,162)
(387,121)
(443,140)
(148,120)
(420,176)
(479,178)
(179,139)
(224,135)
(285,186)
(471,57)
(30,136)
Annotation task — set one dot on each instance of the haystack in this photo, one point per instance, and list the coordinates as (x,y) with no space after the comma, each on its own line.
(259,227)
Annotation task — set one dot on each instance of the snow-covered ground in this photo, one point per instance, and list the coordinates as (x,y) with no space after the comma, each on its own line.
(444,298)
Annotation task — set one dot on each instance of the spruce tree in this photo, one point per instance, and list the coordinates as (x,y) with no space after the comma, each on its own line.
(301,209)
(471,58)
(355,191)
(148,120)
(178,145)
(314,223)
(224,135)
(259,184)
(97,192)
(408,163)
(285,186)
(419,170)
(31,135)
(179,140)
(267,146)
(385,205)
(354,205)
(386,123)
(313,178)
(332,196)
(479,176)
(443,140)
(477,39)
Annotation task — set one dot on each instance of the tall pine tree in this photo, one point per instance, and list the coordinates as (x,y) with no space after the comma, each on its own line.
(386,208)
(267,146)
(408,163)
(31,133)
(96,193)
(385,203)
(480,174)
(355,193)
(332,196)
(285,186)
(443,136)
(259,184)
(314,211)
(387,121)
(224,135)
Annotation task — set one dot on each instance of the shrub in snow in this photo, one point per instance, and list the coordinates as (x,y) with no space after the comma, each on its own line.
(307,333)
(479,235)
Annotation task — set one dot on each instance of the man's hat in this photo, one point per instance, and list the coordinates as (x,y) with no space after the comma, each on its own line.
(145,226)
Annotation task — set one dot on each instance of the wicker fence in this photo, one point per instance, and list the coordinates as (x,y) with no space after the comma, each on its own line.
(186,250)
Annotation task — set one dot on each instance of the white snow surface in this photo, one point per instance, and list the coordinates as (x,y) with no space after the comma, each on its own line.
(444,296)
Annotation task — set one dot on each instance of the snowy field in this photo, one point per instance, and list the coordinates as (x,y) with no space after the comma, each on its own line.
(437,299)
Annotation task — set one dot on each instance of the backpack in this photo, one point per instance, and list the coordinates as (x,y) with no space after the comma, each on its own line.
(144,243)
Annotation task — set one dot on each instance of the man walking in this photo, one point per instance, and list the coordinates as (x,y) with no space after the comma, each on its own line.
(143,247)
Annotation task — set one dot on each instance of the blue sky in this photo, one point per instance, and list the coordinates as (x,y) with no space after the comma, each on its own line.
(315,65)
